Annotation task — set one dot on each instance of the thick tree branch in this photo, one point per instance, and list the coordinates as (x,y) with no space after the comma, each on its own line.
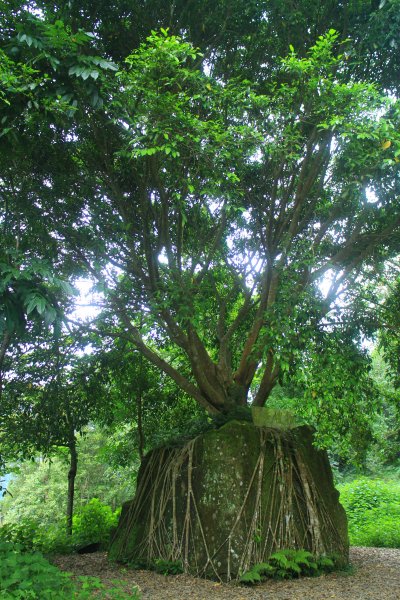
(268,380)
(159,362)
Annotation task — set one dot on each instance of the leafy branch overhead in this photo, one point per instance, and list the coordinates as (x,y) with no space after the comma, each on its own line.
(31,298)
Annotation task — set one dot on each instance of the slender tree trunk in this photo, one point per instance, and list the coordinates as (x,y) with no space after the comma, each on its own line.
(73,467)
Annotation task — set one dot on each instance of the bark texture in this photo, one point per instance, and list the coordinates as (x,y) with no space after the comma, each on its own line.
(231,497)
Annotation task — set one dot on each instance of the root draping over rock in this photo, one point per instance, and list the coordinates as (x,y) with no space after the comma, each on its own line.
(229,498)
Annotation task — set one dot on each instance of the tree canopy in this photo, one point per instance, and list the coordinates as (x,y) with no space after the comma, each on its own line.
(208,165)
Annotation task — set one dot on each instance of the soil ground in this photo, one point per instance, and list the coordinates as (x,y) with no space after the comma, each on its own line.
(374,575)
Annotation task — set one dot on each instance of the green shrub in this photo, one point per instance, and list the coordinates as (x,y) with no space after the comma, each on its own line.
(93,524)
(373,511)
(26,533)
(31,535)
(287,564)
(29,576)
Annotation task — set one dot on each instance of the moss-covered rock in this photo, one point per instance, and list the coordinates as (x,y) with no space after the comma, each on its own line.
(229,498)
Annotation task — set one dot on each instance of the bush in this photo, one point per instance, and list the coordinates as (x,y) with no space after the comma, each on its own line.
(93,524)
(168,567)
(373,511)
(31,535)
(26,534)
(29,576)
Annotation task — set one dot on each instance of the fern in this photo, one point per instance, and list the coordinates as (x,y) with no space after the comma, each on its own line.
(280,558)
(168,567)
(303,557)
(250,577)
(287,564)
(264,568)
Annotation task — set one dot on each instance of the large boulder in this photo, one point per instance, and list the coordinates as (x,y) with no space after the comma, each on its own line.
(229,498)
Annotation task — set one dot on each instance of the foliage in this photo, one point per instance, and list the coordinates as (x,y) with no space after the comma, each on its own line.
(49,397)
(39,487)
(31,299)
(34,514)
(49,400)
(360,429)
(27,290)
(389,333)
(26,576)
(385,447)
(287,564)
(30,534)
(145,409)
(333,391)
(373,510)
(93,524)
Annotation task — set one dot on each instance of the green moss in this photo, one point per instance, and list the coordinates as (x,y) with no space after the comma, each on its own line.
(275,418)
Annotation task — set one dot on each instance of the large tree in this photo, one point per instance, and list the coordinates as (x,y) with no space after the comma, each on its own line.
(207,192)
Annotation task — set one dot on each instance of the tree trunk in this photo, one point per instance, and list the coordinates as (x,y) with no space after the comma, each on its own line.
(73,467)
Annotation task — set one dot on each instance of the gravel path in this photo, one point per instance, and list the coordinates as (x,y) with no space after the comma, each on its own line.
(375,576)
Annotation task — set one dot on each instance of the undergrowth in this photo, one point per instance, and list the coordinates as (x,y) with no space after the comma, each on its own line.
(287,564)
(29,576)
(168,567)
(373,511)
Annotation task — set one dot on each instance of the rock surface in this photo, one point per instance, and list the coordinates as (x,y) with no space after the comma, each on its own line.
(229,498)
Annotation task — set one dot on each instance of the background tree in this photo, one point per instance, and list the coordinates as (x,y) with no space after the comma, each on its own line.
(37,491)
(49,401)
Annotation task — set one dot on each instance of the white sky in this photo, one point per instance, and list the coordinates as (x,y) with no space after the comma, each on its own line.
(88,303)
